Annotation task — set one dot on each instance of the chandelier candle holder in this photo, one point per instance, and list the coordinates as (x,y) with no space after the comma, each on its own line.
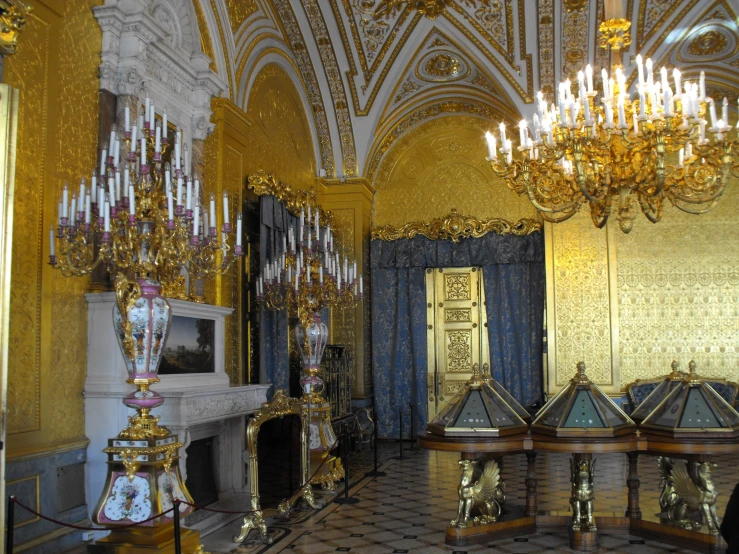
(143,221)
(617,151)
(306,275)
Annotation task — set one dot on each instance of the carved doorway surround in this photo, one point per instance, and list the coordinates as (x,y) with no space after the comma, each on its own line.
(457,331)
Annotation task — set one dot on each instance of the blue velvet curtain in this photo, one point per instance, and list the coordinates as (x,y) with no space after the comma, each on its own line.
(513,276)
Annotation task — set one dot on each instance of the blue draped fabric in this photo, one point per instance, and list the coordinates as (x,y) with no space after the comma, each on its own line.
(514,297)
(513,276)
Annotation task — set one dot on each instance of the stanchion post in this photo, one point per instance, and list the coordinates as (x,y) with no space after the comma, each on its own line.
(345,454)
(176,516)
(375,472)
(410,408)
(10,519)
(400,434)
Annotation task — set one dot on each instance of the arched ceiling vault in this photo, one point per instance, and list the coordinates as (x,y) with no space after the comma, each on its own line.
(368,80)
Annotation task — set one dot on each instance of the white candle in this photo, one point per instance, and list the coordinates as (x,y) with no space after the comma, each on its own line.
(106,213)
(103,158)
(152,114)
(668,101)
(186,168)
(179,191)
(73,214)
(143,150)
(164,124)
(636,120)
(640,67)
(141,122)
(361,285)
(196,220)
(676,76)
(88,208)
(713,113)
(177,146)
(132,200)
(490,137)
(126,178)
(82,188)
(117,153)
(101,201)
(702,86)
(148,105)
(238,229)
(196,193)
(589,76)
(725,112)
(188,205)
(133,137)
(206,228)
(663,73)
(158,139)
(502,134)
(650,75)
(112,141)
(225,212)
(111,189)
(354,270)
(117,187)
(170,207)
(680,157)
(522,132)
(128,119)
(52,246)
(213,208)
(167,176)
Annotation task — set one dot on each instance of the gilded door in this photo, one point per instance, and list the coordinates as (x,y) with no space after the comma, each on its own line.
(457,334)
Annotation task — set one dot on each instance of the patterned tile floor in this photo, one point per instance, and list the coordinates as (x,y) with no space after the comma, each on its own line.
(408,510)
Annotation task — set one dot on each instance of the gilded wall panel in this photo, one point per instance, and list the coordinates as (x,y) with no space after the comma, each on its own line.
(232,293)
(579,279)
(678,293)
(57,140)
(343,322)
(280,142)
(441,165)
(28,71)
(239,11)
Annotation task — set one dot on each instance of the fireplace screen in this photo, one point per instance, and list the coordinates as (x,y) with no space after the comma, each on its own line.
(189,347)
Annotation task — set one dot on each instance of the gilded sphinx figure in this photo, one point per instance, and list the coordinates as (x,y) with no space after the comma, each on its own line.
(583,495)
(688,495)
(482,491)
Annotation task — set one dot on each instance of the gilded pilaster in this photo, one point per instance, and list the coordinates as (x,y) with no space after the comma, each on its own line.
(351,205)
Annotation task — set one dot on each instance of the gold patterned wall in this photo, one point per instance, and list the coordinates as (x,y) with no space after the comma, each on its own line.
(57,138)
(441,165)
(272,135)
(630,304)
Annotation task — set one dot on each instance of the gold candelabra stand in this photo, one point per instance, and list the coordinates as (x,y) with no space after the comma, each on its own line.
(611,151)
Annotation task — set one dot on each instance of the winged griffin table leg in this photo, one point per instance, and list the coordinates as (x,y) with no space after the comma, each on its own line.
(481,490)
(583,495)
(688,494)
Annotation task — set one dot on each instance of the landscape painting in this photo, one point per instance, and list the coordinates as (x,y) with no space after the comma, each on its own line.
(189,348)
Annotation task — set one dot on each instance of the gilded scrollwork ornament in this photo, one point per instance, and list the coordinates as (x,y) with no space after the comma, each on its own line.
(265,184)
(456,226)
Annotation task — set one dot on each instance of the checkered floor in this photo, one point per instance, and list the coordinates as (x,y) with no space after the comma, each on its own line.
(408,510)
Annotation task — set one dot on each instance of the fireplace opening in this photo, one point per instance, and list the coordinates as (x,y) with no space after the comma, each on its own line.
(201,480)
(279,459)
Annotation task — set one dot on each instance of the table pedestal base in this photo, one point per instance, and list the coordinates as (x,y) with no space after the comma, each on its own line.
(677,536)
(513,523)
(584,541)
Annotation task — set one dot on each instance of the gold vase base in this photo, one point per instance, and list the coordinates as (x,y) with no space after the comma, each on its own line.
(146,540)
(330,473)
(143,426)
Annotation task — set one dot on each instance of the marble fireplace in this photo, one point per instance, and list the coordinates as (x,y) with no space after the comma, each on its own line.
(197,405)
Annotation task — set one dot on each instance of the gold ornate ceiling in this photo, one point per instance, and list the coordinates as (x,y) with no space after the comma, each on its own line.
(365,80)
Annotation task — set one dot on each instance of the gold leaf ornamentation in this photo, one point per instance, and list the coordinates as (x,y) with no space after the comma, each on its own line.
(12,19)
(455,227)
(264,184)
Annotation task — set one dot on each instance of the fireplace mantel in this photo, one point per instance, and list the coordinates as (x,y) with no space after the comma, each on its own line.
(196,405)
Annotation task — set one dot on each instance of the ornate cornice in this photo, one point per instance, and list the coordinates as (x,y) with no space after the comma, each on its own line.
(265,184)
(455,227)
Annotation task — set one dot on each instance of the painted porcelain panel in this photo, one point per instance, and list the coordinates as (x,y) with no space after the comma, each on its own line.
(129,500)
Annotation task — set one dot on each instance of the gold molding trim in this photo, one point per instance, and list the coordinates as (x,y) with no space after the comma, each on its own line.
(206,43)
(265,184)
(224,47)
(455,227)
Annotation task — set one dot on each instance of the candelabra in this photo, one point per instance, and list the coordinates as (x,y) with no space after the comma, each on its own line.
(617,151)
(306,275)
(142,221)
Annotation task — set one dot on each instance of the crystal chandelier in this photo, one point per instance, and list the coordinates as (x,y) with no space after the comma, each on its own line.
(618,153)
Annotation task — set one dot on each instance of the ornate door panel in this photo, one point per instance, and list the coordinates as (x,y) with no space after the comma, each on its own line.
(455,334)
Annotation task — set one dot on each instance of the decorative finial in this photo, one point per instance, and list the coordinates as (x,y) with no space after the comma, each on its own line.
(581,368)
(692,366)
(674,365)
